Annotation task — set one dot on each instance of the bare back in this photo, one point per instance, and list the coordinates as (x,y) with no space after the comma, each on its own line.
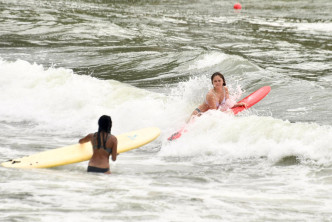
(100,156)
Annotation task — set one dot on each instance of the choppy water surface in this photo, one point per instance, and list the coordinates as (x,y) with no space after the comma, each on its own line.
(148,63)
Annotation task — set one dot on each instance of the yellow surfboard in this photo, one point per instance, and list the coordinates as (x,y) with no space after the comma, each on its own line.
(82,152)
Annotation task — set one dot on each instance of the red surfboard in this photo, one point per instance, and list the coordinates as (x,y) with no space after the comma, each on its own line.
(250,100)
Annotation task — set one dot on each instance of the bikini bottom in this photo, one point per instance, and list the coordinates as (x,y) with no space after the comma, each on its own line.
(97,169)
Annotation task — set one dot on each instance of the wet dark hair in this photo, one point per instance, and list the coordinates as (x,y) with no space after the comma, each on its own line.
(105,125)
(218,74)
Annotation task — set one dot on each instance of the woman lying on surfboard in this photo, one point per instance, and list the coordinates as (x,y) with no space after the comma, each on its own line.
(104,144)
(217,97)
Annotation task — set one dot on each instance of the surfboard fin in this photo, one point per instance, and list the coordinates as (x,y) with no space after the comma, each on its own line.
(15,161)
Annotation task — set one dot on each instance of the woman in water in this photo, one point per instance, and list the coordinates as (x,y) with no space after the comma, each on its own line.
(216,98)
(104,144)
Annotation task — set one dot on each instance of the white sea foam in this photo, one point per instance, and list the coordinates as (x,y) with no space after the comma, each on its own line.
(219,136)
(317,27)
(58,99)
(207,60)
(221,61)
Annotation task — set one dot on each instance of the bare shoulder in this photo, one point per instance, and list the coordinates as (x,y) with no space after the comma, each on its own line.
(210,94)
(113,140)
(226,92)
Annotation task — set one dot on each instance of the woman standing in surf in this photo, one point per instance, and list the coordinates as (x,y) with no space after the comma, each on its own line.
(104,144)
(217,97)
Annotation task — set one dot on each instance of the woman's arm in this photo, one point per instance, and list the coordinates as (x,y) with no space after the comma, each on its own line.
(240,104)
(114,148)
(227,93)
(85,139)
(211,100)
(237,104)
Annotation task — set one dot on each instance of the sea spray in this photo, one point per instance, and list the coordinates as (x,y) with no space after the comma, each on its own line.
(250,136)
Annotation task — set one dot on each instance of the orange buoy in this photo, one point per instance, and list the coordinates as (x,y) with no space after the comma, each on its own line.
(237,6)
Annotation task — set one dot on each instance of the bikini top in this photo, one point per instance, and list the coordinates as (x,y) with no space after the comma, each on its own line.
(221,103)
(103,144)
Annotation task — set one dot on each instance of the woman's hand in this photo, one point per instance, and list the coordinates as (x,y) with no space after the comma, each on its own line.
(245,105)
(241,104)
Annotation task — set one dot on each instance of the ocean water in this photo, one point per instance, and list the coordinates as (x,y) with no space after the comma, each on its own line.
(148,63)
